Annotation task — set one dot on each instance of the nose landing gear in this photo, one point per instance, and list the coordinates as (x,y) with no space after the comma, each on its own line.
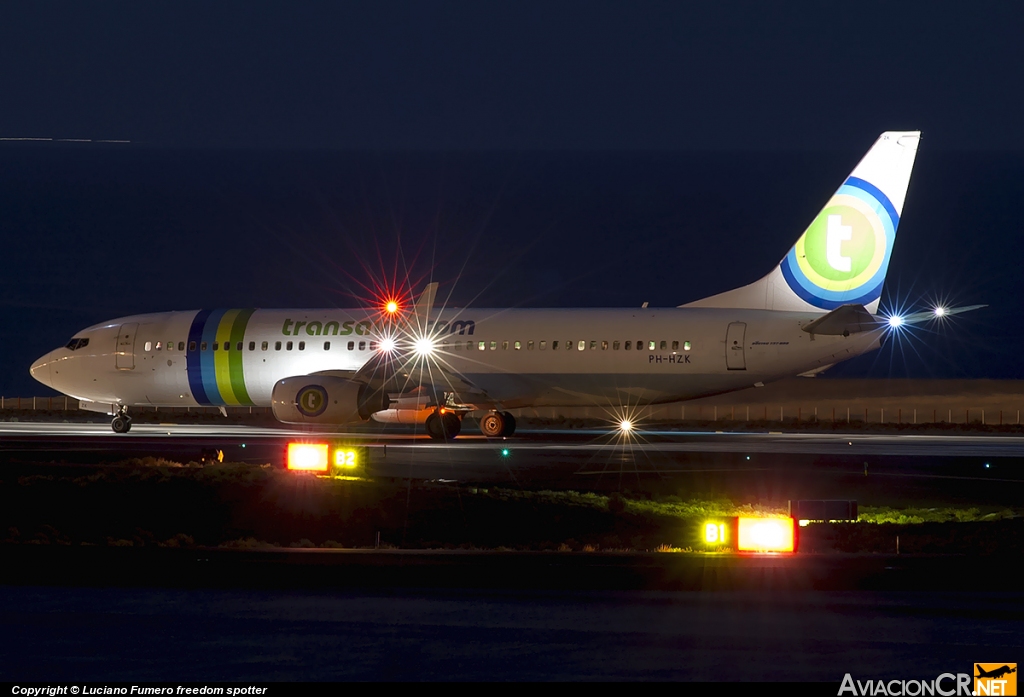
(121,422)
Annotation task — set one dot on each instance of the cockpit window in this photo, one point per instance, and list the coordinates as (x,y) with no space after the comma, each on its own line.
(76,344)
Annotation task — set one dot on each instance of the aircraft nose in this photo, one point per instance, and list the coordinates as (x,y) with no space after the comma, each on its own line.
(40,370)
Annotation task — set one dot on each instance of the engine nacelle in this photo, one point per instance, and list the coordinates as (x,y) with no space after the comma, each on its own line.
(322,399)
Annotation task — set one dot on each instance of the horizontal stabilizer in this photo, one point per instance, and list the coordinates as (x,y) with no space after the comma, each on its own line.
(844,320)
(918,317)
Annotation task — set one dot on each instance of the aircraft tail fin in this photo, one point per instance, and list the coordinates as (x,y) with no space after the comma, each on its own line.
(843,255)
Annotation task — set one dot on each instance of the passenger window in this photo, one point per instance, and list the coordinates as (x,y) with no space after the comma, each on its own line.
(686,345)
(170,345)
(568,346)
(458,345)
(482,345)
(629,345)
(639,346)
(650,345)
(327,346)
(159,346)
(593,345)
(264,346)
(517,346)
(362,345)
(675,345)
(604,345)
(288,346)
(554,345)
(504,346)
(543,345)
(238,346)
(277,345)
(181,346)
(191,346)
(202,346)
(494,345)
(664,345)
(581,346)
(469,345)
(615,346)
(373,345)
(216,345)
(529,345)
(149,345)
(227,346)
(444,345)
(351,346)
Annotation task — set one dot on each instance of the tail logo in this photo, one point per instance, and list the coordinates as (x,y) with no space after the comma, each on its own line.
(843,255)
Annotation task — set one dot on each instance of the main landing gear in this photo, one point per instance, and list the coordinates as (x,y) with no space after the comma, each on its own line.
(497,424)
(443,425)
(121,423)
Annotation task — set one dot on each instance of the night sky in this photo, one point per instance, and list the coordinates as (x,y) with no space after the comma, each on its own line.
(523,154)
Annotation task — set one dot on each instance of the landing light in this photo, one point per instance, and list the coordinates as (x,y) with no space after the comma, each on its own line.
(626,426)
(895,321)
(423,346)
(387,345)
(940,311)
(391,307)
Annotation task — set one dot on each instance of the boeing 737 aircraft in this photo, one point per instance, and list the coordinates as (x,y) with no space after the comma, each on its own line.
(426,365)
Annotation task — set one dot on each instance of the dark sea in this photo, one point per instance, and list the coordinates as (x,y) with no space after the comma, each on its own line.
(95,232)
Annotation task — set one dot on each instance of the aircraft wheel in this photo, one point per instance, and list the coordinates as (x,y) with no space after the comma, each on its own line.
(452,425)
(435,429)
(510,424)
(121,424)
(493,424)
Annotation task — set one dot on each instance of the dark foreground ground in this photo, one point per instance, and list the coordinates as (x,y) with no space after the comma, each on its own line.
(253,636)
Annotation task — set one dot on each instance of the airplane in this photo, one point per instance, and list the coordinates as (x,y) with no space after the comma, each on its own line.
(431,366)
(995,672)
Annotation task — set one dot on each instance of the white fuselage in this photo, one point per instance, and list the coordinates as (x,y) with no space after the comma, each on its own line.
(517,357)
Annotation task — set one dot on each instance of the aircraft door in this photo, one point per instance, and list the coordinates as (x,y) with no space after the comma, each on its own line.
(125,350)
(734,359)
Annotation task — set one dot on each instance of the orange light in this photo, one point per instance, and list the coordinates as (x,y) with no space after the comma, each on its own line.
(391,307)
(766,535)
(307,457)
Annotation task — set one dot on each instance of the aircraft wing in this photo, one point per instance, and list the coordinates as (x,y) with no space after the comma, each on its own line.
(403,370)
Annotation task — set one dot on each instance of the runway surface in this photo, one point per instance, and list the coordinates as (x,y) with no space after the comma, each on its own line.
(854,443)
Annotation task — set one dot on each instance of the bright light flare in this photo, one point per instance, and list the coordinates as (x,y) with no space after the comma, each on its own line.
(387,345)
(307,457)
(766,535)
(423,346)
(940,311)
(895,322)
(391,307)
(626,426)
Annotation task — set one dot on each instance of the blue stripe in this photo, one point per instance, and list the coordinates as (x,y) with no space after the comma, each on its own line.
(209,368)
(878,196)
(193,358)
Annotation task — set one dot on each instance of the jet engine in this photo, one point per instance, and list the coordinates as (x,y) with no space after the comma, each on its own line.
(323,399)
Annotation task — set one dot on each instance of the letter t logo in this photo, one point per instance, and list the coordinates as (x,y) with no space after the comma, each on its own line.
(837,233)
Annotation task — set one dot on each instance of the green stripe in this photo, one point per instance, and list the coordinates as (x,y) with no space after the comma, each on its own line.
(237,374)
